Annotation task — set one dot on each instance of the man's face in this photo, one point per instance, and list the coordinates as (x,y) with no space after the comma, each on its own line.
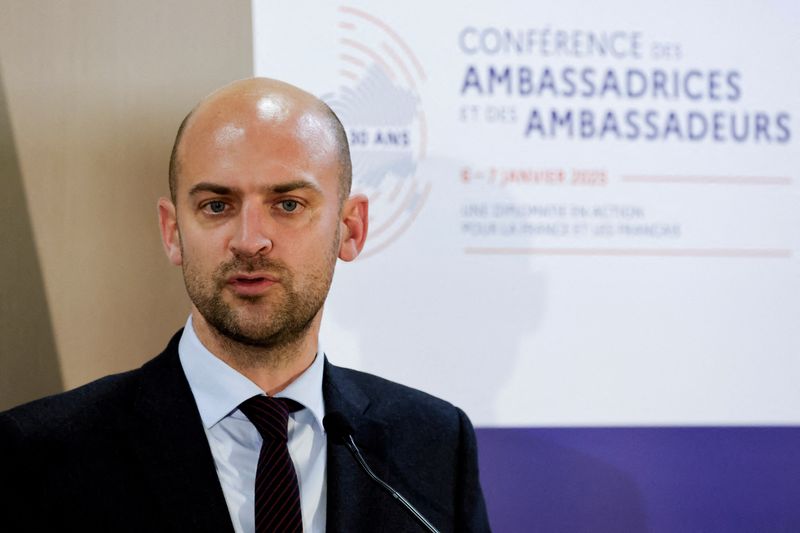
(258,216)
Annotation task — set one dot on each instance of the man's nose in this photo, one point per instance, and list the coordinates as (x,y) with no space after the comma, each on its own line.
(252,234)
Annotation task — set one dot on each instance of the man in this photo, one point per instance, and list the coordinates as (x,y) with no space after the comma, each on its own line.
(260,210)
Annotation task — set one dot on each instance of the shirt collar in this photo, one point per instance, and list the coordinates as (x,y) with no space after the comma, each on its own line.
(218,389)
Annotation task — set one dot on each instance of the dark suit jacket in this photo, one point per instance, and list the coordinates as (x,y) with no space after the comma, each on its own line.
(128,453)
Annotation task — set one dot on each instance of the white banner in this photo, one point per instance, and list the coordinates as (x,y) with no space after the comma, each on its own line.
(582,214)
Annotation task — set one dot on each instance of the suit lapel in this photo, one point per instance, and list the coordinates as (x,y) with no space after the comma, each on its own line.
(168,437)
(166,433)
(354,500)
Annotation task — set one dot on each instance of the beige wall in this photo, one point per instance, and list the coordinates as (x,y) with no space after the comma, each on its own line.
(93,93)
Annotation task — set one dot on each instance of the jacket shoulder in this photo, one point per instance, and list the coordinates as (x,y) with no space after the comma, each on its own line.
(399,405)
(70,412)
(426,445)
(93,406)
(386,392)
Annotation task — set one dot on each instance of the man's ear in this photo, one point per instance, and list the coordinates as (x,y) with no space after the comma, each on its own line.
(170,238)
(354,223)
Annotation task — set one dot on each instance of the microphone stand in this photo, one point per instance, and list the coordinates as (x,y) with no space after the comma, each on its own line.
(356,453)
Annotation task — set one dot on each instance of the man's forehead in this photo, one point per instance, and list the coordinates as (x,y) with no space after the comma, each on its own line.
(256,122)
(273,107)
(232,118)
(258,99)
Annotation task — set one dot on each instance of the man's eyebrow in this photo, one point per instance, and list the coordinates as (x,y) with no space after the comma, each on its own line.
(280,188)
(205,186)
(290,186)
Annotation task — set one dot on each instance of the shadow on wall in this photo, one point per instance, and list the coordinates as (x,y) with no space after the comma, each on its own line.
(29,365)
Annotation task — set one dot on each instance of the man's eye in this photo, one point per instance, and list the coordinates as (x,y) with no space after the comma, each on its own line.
(216,206)
(289,205)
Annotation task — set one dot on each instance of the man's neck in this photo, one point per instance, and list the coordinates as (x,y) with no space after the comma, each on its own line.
(272,368)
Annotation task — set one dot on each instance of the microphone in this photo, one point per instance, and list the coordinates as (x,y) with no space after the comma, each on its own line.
(341,431)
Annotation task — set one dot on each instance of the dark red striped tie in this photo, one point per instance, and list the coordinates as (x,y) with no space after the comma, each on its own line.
(277,497)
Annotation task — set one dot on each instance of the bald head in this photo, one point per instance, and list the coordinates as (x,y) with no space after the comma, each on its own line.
(260,109)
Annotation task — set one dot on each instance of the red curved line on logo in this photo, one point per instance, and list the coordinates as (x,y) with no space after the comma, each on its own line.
(402,228)
(347,25)
(372,195)
(385,27)
(394,216)
(351,59)
(388,49)
(347,74)
(375,57)
(396,190)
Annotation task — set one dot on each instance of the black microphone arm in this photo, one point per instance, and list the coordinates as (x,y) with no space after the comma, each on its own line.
(337,426)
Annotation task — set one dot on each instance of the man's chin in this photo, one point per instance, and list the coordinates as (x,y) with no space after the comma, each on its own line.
(239,299)
(247,333)
(250,340)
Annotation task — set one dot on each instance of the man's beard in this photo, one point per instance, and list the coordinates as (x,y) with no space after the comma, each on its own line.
(290,312)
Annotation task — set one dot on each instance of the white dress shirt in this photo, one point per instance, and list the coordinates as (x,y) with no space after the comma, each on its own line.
(235,443)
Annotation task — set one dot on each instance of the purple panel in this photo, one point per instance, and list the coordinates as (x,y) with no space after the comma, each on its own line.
(732,479)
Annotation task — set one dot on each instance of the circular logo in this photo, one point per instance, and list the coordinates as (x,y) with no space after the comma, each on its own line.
(379,104)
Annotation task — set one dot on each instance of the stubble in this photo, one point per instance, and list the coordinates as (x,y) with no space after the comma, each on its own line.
(260,330)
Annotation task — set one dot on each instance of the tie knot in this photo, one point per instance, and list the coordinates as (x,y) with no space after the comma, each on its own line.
(269,415)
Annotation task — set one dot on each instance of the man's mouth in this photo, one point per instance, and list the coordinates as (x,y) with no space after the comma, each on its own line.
(250,284)
(248,280)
